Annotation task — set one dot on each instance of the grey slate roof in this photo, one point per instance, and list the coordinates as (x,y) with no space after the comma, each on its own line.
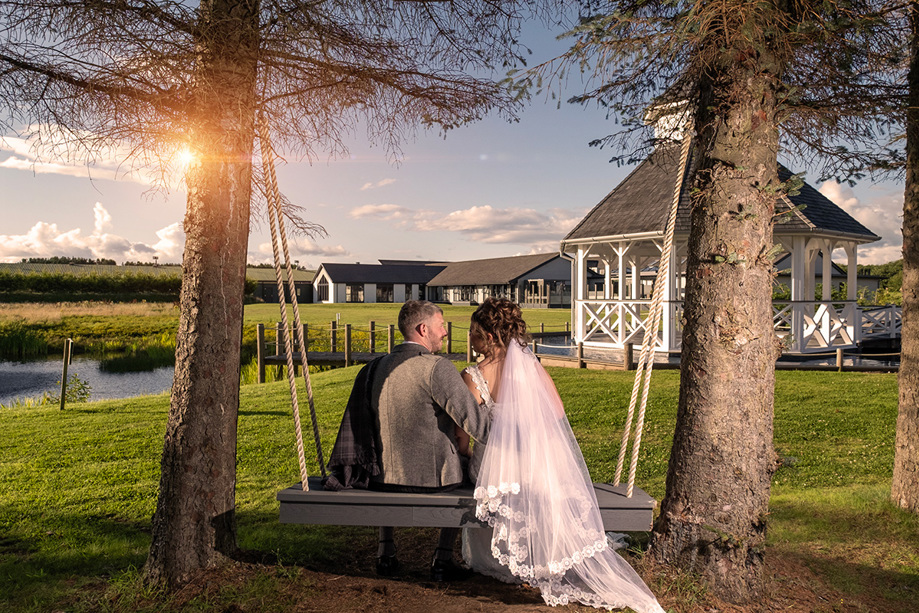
(379,273)
(494,271)
(641,203)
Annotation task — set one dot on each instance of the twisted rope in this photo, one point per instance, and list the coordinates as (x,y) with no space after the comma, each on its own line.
(645,358)
(276,222)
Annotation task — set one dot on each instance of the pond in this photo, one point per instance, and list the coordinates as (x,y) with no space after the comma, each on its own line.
(33,378)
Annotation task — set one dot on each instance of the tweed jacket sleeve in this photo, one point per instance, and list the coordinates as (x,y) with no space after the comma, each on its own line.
(451,393)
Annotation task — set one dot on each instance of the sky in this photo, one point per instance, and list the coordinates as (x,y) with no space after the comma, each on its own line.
(490,189)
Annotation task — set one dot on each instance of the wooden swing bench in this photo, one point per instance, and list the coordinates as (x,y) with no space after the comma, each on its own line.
(455,508)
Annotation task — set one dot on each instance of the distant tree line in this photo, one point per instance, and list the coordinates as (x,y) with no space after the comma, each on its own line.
(63,259)
(97,284)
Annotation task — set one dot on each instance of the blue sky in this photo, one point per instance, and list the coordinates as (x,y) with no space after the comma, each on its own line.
(490,189)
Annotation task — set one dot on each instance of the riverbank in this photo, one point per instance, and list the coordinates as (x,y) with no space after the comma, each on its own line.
(79,489)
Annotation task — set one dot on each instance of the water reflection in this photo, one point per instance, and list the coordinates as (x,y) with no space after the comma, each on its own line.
(32,379)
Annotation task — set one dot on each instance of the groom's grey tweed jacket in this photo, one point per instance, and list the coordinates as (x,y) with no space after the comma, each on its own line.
(417,398)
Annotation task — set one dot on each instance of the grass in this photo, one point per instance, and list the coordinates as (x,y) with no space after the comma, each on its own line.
(78,488)
(35,329)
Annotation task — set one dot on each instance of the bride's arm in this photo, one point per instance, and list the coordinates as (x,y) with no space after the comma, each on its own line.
(462,438)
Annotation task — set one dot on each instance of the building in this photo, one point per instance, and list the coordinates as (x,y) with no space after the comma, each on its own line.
(266,284)
(533,281)
(371,283)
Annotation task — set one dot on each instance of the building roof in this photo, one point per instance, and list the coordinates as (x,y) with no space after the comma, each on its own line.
(380,273)
(641,204)
(494,271)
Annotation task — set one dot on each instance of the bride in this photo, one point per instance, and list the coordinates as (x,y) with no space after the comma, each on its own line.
(532,486)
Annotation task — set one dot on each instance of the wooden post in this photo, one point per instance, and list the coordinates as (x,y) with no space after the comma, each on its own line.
(279,338)
(542,327)
(581,363)
(628,356)
(469,345)
(333,337)
(305,349)
(373,336)
(260,351)
(533,347)
(449,337)
(568,327)
(390,338)
(839,359)
(347,344)
(68,348)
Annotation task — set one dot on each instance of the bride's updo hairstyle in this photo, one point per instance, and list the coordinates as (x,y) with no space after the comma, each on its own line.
(499,322)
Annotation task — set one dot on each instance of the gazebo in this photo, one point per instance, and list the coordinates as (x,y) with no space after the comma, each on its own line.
(622,240)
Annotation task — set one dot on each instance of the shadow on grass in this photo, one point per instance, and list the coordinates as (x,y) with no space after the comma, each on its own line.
(855,540)
(72,550)
(351,551)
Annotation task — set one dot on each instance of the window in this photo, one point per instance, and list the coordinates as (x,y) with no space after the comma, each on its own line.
(385,292)
(354,292)
(323,287)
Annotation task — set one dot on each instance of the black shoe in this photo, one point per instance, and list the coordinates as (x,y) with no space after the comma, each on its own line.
(447,570)
(387,566)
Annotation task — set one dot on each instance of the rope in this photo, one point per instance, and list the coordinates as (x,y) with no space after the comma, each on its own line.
(276,222)
(645,358)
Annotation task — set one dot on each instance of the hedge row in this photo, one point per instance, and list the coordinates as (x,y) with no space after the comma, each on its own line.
(41,283)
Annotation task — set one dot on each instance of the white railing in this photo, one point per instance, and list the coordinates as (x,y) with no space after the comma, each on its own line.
(616,323)
(816,325)
(808,325)
(881,322)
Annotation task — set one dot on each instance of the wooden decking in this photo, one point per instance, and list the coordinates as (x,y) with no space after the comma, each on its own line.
(443,509)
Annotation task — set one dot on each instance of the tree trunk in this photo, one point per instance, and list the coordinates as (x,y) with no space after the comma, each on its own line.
(195,526)
(905,485)
(713,517)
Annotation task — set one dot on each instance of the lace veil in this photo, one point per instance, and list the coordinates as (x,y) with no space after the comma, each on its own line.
(534,489)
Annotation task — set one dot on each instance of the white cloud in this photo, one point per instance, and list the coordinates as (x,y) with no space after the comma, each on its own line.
(33,155)
(380,183)
(882,214)
(299,250)
(486,224)
(542,230)
(46,239)
(385,212)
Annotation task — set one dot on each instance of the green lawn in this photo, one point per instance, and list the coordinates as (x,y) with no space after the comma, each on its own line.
(78,488)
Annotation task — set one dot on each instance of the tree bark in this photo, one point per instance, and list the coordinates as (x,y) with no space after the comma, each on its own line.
(905,484)
(713,517)
(194,526)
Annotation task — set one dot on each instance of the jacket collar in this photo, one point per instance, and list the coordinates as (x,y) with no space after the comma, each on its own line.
(410,348)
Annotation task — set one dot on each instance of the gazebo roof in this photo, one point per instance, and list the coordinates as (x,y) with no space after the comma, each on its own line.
(640,204)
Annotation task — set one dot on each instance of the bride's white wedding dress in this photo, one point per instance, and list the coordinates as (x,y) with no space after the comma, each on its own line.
(533,489)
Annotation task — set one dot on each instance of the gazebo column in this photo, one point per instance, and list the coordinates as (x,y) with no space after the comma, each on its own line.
(799,270)
(621,250)
(668,333)
(827,260)
(579,320)
(853,313)
(826,322)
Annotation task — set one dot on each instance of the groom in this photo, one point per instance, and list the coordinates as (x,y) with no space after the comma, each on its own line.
(417,399)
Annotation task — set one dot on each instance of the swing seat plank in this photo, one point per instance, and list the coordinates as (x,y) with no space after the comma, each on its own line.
(455,508)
